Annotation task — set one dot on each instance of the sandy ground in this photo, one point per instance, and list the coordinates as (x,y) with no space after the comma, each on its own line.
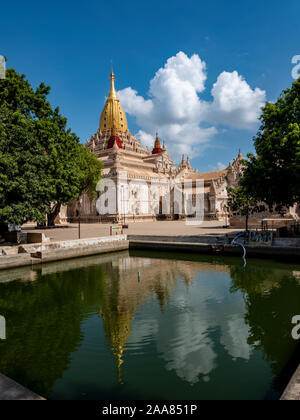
(167,228)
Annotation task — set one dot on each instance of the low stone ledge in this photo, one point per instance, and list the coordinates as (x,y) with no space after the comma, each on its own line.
(82,251)
(292,391)
(29,254)
(43,252)
(293,242)
(283,253)
(203,239)
(11,390)
(69,244)
(16,260)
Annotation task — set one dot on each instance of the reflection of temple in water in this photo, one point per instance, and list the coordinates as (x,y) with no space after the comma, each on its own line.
(194,353)
(126,291)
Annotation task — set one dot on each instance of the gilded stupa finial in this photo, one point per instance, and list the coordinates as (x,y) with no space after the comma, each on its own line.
(113,113)
(112,92)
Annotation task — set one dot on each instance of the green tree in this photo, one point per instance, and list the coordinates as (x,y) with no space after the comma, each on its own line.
(242,203)
(273,175)
(42,163)
(79,174)
(23,182)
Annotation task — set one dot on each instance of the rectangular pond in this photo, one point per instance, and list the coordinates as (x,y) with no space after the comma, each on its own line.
(144,325)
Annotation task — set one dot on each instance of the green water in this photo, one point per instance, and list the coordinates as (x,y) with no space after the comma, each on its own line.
(189,328)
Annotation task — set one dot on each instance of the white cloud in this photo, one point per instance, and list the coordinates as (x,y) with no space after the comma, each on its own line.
(235,103)
(185,121)
(134,104)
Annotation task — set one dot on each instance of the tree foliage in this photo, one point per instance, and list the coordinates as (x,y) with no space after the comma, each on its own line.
(273,175)
(42,163)
(242,203)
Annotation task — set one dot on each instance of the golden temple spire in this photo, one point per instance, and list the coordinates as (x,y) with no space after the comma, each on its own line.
(113,114)
(112,92)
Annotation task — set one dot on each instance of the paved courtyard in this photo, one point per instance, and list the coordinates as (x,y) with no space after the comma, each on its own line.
(166,228)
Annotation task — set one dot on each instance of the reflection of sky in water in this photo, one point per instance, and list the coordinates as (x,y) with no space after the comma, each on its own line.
(178,333)
(183,332)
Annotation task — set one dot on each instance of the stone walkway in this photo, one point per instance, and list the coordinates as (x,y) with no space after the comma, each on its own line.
(292,391)
(11,390)
(167,228)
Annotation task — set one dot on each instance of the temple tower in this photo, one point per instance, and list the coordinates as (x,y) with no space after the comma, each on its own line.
(113,115)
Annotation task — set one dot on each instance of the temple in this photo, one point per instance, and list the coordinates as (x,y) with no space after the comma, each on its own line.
(127,161)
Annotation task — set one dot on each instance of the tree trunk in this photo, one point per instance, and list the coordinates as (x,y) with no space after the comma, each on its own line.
(247,222)
(53,214)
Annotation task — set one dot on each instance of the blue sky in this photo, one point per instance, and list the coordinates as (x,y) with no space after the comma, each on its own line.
(69,45)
